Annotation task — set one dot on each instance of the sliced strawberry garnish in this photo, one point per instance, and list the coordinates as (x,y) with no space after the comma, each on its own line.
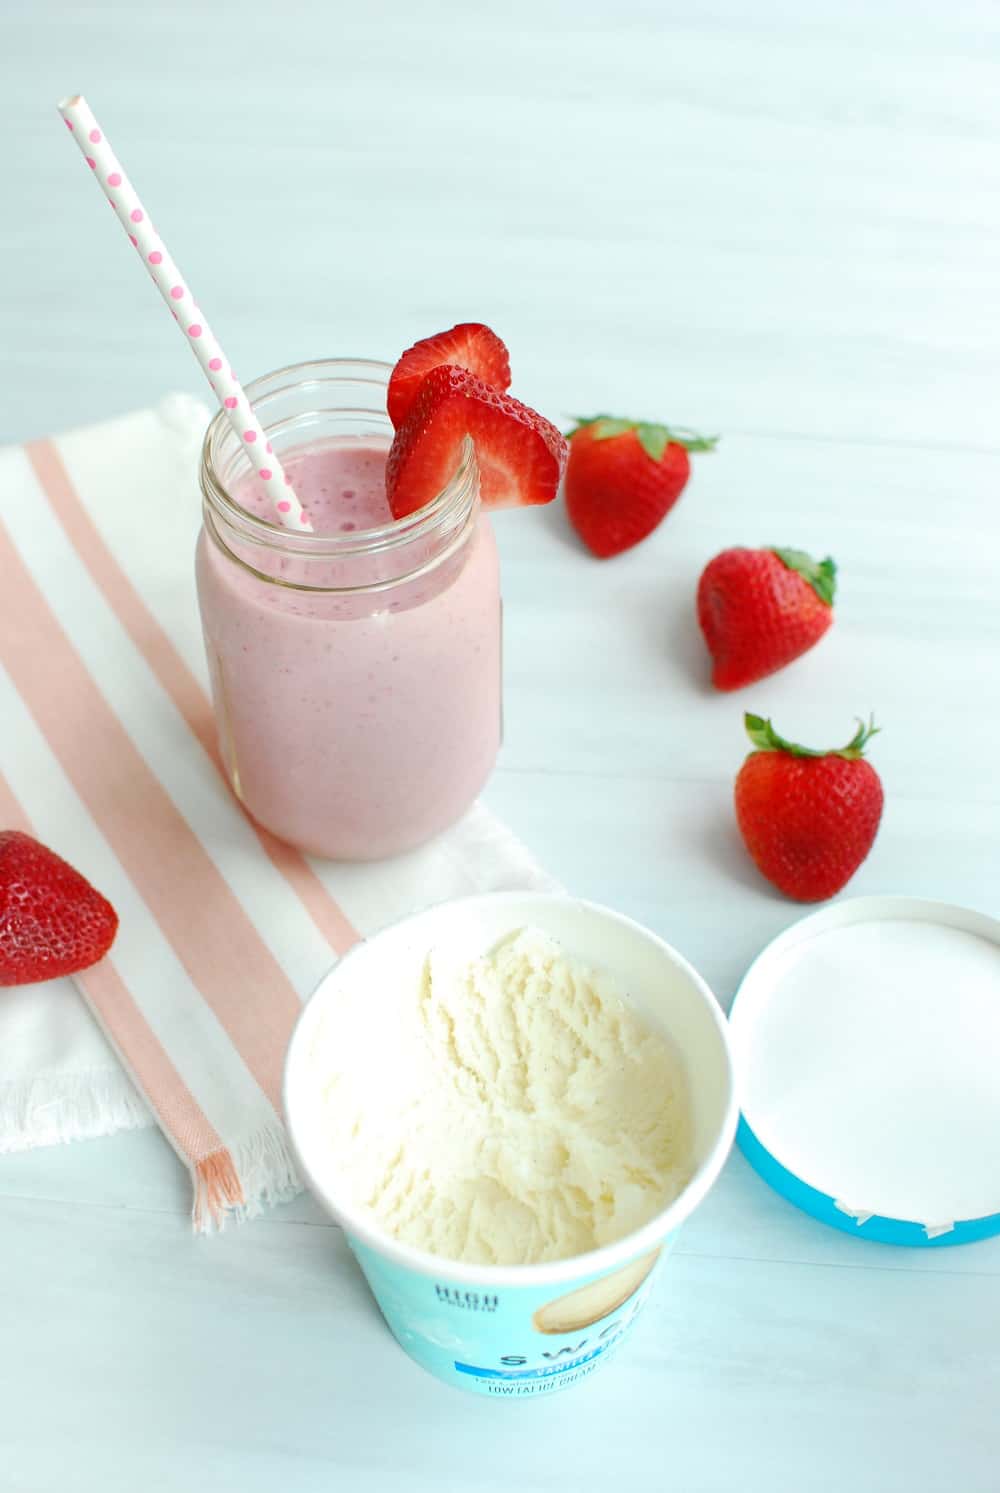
(520,455)
(469,345)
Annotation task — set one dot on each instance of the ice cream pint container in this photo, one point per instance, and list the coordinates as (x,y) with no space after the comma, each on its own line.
(520,1330)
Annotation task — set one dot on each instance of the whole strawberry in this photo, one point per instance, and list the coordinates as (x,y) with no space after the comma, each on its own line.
(623,477)
(807,818)
(759,609)
(52,921)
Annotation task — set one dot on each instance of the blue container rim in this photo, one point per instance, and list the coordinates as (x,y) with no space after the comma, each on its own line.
(820,1205)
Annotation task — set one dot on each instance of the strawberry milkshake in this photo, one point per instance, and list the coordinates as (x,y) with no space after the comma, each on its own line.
(355,669)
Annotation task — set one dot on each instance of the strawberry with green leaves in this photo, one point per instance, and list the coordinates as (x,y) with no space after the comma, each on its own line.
(808,818)
(623,477)
(761,608)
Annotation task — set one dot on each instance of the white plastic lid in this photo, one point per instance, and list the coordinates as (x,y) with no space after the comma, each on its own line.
(867,1042)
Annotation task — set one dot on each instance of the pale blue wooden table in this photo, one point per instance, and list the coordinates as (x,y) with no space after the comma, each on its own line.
(778,221)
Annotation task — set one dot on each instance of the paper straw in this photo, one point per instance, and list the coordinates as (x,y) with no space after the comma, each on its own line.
(174,289)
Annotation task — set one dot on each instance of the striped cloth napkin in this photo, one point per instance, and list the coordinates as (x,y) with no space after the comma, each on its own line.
(108,754)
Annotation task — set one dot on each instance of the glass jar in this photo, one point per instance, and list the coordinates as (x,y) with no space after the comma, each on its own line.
(355,675)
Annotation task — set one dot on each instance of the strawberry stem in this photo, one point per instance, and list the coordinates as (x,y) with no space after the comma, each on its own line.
(766,739)
(821,574)
(654,438)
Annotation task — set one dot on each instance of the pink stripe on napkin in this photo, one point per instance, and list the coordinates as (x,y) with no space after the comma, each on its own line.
(199,1145)
(12,816)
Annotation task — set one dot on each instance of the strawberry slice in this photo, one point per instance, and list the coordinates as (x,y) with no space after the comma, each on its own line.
(520,455)
(469,345)
(52,921)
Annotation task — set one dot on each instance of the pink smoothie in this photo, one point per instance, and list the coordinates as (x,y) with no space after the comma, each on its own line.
(357,694)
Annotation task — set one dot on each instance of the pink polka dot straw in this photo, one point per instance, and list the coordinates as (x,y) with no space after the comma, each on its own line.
(188,315)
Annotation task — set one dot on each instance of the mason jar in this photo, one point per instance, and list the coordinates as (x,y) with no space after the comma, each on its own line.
(355,674)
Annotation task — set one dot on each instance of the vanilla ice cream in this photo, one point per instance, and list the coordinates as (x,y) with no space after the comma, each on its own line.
(506,1111)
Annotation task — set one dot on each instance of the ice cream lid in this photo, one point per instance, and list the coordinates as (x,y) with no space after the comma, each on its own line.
(867,1044)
